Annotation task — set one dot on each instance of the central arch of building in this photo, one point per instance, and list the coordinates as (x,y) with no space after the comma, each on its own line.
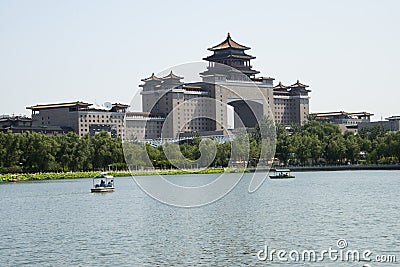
(246,112)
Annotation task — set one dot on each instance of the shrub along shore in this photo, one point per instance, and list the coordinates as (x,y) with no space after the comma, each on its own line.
(78,175)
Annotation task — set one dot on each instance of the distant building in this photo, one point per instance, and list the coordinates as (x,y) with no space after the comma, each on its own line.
(347,121)
(21,124)
(200,107)
(81,117)
(8,121)
(392,124)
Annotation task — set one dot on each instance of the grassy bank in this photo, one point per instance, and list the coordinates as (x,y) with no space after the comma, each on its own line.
(48,176)
(76,175)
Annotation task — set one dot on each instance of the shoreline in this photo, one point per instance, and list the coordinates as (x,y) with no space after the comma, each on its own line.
(335,168)
(78,175)
(344,168)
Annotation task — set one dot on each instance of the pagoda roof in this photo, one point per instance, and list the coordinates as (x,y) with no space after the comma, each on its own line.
(298,84)
(228,43)
(361,113)
(393,118)
(60,105)
(280,86)
(246,71)
(171,75)
(119,105)
(151,78)
(338,113)
(327,114)
(224,56)
(213,71)
(260,79)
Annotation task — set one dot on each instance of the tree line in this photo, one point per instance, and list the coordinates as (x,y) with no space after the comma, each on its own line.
(318,143)
(315,143)
(36,152)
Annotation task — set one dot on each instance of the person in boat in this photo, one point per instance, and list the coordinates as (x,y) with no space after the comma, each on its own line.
(110,183)
(102,183)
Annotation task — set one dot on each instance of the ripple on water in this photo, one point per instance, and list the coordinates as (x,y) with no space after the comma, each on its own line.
(60,223)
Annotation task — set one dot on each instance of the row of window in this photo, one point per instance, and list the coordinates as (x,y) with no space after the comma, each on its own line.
(198,123)
(85,125)
(103,121)
(285,113)
(101,116)
(285,106)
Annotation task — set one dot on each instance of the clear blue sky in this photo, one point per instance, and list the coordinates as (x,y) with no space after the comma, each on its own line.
(50,51)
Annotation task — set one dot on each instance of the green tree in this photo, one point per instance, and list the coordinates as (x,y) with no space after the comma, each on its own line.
(39,152)
(284,147)
(241,147)
(371,133)
(223,154)
(106,150)
(336,150)
(353,147)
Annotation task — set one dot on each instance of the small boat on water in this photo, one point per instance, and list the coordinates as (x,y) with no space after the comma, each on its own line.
(13,179)
(103,183)
(281,174)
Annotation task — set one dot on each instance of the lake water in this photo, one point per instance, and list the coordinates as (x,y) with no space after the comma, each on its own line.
(59,223)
